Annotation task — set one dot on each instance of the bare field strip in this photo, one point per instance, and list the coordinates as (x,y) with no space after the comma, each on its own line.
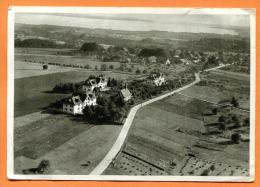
(72,147)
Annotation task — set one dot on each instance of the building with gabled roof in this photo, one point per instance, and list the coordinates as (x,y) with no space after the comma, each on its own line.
(167,62)
(76,103)
(157,78)
(73,105)
(96,82)
(126,94)
(89,99)
(152,59)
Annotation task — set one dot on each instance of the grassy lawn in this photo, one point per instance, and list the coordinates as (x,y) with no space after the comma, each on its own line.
(64,140)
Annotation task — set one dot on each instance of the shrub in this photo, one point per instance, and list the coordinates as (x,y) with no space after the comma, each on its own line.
(236,138)
(44,166)
(45,67)
(222,126)
(205,172)
(234,102)
(214,111)
(103,67)
(111,66)
(246,122)
(89,47)
(137,71)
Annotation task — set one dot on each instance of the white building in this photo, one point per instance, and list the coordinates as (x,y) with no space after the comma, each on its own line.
(158,79)
(89,99)
(152,59)
(167,62)
(75,104)
(97,82)
(126,94)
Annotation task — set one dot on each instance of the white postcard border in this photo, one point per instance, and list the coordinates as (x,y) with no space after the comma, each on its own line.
(126,10)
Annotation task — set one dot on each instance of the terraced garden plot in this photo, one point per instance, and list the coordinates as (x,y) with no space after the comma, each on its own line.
(154,155)
(127,164)
(195,167)
(235,155)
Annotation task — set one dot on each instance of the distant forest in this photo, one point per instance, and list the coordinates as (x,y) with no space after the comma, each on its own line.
(75,37)
(36,43)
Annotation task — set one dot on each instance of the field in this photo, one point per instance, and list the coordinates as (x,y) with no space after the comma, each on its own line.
(29,69)
(178,136)
(223,85)
(72,146)
(54,56)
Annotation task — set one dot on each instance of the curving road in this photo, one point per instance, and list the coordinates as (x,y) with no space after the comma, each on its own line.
(100,168)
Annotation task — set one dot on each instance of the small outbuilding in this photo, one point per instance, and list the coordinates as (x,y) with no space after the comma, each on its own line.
(126,94)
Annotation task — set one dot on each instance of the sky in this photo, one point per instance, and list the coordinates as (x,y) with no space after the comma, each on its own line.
(219,24)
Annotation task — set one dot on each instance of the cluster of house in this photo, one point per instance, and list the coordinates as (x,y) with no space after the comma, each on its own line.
(153,59)
(76,103)
(158,79)
(99,82)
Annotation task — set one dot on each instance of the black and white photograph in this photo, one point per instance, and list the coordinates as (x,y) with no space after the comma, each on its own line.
(139,94)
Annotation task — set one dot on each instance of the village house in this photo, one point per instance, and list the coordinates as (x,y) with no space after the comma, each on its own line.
(88,99)
(196,61)
(158,79)
(185,61)
(167,62)
(72,105)
(126,94)
(97,82)
(75,104)
(152,59)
